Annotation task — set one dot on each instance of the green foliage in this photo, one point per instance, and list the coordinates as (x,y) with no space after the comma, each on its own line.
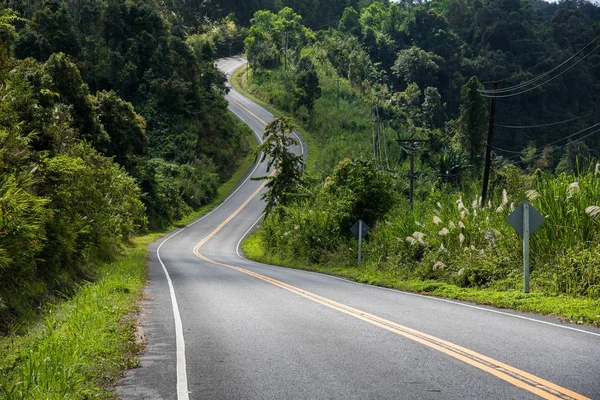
(122,126)
(126,129)
(307,84)
(173,190)
(433,110)
(446,235)
(67,82)
(287,167)
(221,39)
(261,52)
(83,343)
(363,190)
(349,22)
(418,66)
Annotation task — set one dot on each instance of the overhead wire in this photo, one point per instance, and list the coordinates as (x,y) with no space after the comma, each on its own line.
(545,125)
(542,76)
(536,65)
(543,83)
(538,153)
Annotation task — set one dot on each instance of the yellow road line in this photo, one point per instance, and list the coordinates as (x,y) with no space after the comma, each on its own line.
(510,374)
(249,112)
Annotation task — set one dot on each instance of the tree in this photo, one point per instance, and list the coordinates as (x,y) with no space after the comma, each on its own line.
(127,129)
(433,110)
(261,52)
(287,167)
(7,35)
(51,31)
(360,190)
(307,82)
(409,102)
(417,65)
(67,82)
(349,22)
(576,158)
(472,122)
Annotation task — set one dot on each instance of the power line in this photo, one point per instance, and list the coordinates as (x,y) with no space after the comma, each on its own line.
(574,134)
(531,81)
(538,153)
(506,151)
(536,65)
(543,83)
(546,125)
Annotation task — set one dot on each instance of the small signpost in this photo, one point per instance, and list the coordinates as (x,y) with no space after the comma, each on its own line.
(525,220)
(360,230)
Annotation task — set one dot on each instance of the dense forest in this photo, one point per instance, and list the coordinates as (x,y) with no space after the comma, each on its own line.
(392,87)
(112,122)
(407,55)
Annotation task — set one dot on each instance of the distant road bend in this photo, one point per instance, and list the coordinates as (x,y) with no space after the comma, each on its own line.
(222,327)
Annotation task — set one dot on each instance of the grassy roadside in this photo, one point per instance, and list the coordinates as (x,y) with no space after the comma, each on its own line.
(238,81)
(79,347)
(578,310)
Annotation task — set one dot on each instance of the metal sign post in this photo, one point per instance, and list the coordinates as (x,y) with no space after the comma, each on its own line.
(359,242)
(526,247)
(525,220)
(360,229)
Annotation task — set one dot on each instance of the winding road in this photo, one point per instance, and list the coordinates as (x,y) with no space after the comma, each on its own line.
(221,327)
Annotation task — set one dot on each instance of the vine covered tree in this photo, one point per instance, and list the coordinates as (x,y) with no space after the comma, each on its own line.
(307,82)
(472,121)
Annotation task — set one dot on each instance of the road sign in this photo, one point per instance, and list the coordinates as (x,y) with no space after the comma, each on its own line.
(515,219)
(526,220)
(364,227)
(360,230)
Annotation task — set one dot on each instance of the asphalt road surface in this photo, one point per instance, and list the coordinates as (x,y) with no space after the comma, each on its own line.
(222,327)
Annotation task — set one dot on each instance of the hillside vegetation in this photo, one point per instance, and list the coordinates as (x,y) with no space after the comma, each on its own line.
(397,71)
(112,123)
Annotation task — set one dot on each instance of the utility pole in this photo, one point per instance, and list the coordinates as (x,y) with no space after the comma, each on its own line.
(376,145)
(412,151)
(338,92)
(285,46)
(488,151)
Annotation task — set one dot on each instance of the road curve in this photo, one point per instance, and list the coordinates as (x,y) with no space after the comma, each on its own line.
(221,327)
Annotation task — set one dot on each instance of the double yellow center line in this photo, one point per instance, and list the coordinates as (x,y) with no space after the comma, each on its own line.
(510,374)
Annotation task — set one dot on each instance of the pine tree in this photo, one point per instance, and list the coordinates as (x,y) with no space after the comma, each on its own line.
(287,167)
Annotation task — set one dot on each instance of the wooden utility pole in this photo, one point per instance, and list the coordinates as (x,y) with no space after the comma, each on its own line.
(338,92)
(488,150)
(412,151)
(376,145)
(285,46)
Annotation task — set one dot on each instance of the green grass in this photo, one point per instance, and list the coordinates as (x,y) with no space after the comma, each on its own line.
(579,310)
(238,81)
(80,346)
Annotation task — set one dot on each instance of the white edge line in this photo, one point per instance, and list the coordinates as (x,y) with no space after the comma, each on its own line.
(182,386)
(237,250)
(238,246)
(265,110)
